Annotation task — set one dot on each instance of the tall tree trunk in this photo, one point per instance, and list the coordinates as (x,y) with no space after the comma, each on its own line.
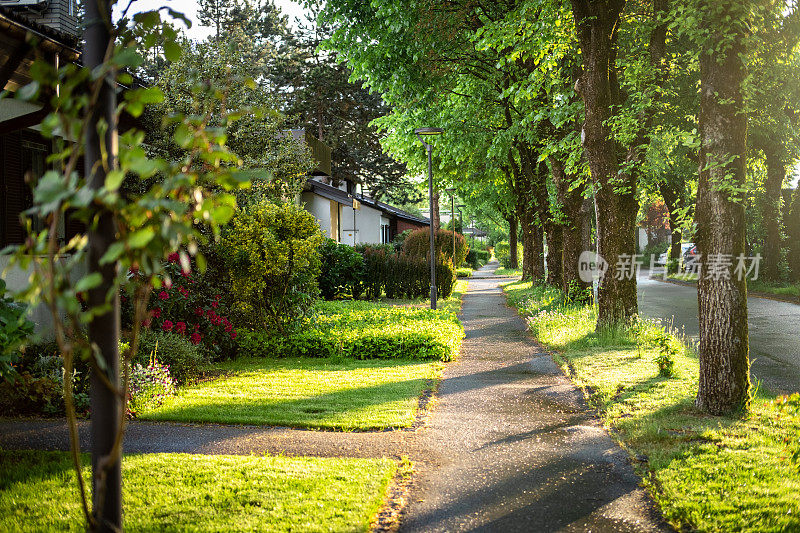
(435,218)
(513,230)
(615,201)
(528,246)
(555,254)
(793,232)
(573,240)
(673,199)
(724,385)
(776,173)
(100,157)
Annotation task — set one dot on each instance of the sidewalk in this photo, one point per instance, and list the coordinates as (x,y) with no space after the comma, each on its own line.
(513,447)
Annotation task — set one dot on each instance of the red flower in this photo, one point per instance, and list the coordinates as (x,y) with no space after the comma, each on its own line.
(214,304)
(195,338)
(167,325)
(146,323)
(197,327)
(216,320)
(184,291)
(228,328)
(163,295)
(155,313)
(174,257)
(180,327)
(233,334)
(198,311)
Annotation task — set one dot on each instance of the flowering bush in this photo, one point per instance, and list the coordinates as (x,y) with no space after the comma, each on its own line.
(182,306)
(149,385)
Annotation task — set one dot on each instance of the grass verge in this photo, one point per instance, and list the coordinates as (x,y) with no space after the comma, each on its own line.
(180,492)
(391,329)
(508,272)
(336,394)
(706,473)
(782,289)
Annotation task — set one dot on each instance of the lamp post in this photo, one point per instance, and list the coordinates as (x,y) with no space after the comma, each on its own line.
(452,193)
(422,133)
(461,217)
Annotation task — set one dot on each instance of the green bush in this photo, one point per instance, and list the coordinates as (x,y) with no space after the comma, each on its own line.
(363,330)
(502,251)
(418,243)
(14,330)
(273,254)
(183,358)
(341,270)
(477,258)
(464,272)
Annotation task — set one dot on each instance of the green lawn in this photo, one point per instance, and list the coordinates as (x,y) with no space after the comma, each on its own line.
(706,473)
(777,288)
(508,272)
(179,492)
(303,392)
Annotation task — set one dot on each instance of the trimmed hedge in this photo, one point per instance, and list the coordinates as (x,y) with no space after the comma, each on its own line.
(418,244)
(362,330)
(477,258)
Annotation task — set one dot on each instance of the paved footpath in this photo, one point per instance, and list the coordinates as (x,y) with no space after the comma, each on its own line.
(517,448)
(509,446)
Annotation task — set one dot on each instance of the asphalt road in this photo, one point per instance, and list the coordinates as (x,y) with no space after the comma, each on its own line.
(774,329)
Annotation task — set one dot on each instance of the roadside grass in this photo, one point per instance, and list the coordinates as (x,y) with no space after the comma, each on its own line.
(508,272)
(464,272)
(340,394)
(776,288)
(706,473)
(181,492)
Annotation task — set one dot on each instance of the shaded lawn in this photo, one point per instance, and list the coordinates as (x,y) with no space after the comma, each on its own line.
(706,473)
(181,492)
(306,392)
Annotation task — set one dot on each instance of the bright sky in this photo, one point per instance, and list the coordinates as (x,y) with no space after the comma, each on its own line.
(189,8)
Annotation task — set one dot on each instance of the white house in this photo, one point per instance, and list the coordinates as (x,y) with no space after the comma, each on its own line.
(344,213)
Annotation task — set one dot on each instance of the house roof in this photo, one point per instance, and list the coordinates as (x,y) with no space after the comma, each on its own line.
(329,192)
(338,195)
(392,210)
(13,18)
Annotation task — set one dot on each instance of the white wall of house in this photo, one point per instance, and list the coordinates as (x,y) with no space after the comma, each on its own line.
(324,211)
(367,225)
(17,279)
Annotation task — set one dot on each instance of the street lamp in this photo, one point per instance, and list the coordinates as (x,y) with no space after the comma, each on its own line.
(422,133)
(452,193)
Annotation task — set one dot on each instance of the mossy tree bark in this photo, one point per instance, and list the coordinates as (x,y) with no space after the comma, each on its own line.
(573,240)
(793,234)
(776,174)
(615,178)
(724,384)
(615,199)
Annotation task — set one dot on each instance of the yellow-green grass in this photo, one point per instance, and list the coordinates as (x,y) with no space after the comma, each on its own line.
(706,473)
(337,394)
(180,492)
(508,272)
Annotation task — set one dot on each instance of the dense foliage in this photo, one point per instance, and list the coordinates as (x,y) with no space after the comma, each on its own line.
(15,328)
(174,350)
(418,242)
(363,330)
(273,254)
(341,271)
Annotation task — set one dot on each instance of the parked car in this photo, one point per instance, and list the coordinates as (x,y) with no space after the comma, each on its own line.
(686,248)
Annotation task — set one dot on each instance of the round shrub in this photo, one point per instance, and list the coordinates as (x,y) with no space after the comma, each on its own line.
(417,244)
(183,358)
(273,254)
(341,270)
